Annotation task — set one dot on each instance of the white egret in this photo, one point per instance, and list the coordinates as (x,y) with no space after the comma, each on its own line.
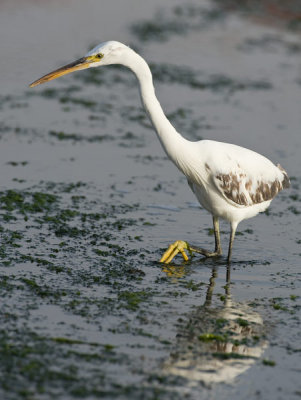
(229,181)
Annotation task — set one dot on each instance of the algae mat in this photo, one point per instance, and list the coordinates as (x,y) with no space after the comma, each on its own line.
(88,202)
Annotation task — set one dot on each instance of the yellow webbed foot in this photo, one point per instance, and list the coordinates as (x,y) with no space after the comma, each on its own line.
(177,247)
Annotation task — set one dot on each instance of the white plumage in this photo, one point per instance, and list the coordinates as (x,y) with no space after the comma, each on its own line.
(229,181)
(232,182)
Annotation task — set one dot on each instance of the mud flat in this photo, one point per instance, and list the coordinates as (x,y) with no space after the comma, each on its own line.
(88,202)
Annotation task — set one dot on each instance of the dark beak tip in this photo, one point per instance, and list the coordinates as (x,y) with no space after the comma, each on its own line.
(76,65)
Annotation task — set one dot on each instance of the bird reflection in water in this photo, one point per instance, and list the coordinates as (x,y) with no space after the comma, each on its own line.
(219,341)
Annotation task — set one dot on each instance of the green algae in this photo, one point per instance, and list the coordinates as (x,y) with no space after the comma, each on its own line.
(33,358)
(92,267)
(60,135)
(132,300)
(64,340)
(208,337)
(277,304)
(191,285)
(55,93)
(242,322)
(268,363)
(78,101)
(181,20)
(17,163)
(25,202)
(44,291)
(167,73)
(232,355)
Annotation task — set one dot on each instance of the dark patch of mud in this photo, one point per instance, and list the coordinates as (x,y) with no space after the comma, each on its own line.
(184,19)
(180,20)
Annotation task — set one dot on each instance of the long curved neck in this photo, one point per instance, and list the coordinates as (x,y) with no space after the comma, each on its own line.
(170,139)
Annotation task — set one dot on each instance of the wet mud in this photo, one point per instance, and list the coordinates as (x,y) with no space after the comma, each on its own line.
(89,202)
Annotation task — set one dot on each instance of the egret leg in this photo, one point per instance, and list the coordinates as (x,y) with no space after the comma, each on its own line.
(180,246)
(218,247)
(232,235)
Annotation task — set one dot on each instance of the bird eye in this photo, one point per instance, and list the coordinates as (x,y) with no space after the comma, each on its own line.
(99,55)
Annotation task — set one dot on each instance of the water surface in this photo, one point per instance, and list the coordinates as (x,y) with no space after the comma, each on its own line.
(89,202)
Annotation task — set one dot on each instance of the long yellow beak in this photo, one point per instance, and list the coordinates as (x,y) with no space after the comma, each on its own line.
(79,64)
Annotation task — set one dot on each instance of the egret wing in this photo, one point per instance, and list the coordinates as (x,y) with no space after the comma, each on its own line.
(245,190)
(244,177)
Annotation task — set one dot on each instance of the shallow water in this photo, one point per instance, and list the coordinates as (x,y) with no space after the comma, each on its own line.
(89,202)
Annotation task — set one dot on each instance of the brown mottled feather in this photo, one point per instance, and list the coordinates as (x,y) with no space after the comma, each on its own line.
(236,186)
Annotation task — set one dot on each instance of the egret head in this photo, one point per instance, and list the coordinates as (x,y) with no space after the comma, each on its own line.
(106,53)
